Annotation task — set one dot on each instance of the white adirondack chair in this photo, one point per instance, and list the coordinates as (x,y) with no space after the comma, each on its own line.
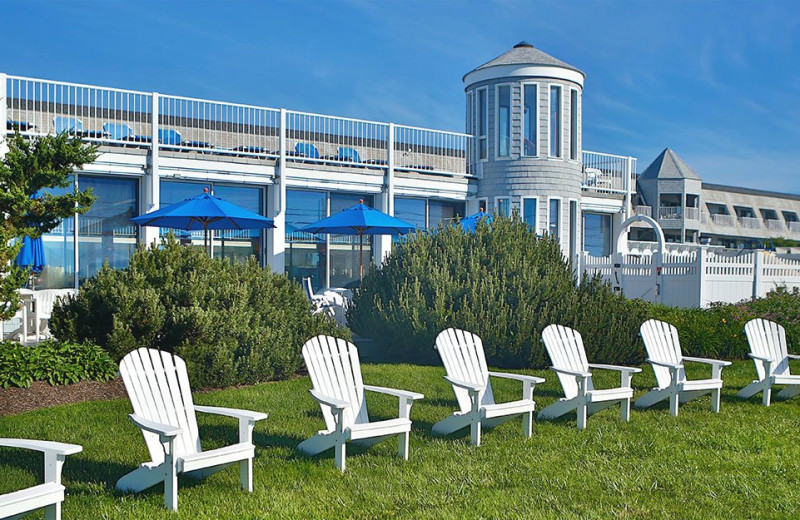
(768,349)
(319,303)
(158,387)
(664,351)
(338,388)
(48,495)
(565,347)
(44,301)
(464,359)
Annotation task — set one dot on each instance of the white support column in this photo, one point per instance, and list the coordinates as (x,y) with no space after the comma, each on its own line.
(151,191)
(383,243)
(626,207)
(758,271)
(3,114)
(276,209)
(701,276)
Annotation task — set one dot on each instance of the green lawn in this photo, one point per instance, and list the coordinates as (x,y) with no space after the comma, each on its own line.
(742,463)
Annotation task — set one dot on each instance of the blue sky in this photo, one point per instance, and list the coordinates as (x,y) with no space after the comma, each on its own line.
(718,82)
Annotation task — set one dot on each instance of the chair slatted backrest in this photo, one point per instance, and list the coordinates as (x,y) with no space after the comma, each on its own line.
(70,124)
(768,339)
(46,300)
(336,372)
(662,344)
(158,387)
(565,347)
(307,288)
(464,359)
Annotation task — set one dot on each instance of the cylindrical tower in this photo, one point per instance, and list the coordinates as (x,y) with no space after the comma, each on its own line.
(524,110)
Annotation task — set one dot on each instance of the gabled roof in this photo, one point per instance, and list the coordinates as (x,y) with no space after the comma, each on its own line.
(524,53)
(669,166)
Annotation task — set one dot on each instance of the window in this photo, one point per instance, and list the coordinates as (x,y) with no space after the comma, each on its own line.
(483,205)
(345,250)
(555,121)
(530,119)
(306,254)
(440,211)
(239,244)
(503,206)
(59,251)
(483,123)
(529,208)
(597,234)
(413,211)
(573,124)
(554,217)
(503,121)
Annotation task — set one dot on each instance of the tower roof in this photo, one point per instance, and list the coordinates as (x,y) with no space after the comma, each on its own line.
(669,166)
(524,53)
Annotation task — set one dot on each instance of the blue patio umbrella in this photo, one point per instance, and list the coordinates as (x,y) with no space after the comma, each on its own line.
(31,255)
(470,223)
(204,212)
(360,220)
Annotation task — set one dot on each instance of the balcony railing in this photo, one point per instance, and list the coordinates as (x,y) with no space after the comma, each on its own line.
(607,173)
(691,213)
(643,210)
(774,225)
(750,222)
(794,227)
(723,220)
(669,212)
(175,123)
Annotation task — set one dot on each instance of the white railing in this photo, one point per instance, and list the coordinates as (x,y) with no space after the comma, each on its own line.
(607,173)
(774,225)
(691,213)
(750,222)
(794,227)
(723,220)
(647,211)
(419,149)
(669,212)
(94,113)
(227,128)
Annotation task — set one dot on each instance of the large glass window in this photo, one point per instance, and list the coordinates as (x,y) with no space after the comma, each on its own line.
(345,250)
(239,244)
(306,254)
(529,208)
(503,121)
(503,206)
(171,192)
(529,120)
(105,232)
(573,124)
(412,211)
(483,122)
(555,121)
(59,252)
(554,217)
(444,212)
(597,234)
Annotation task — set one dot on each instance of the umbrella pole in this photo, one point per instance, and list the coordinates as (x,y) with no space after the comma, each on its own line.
(361,255)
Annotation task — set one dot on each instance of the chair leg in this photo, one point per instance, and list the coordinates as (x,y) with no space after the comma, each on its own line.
(475,433)
(582,414)
(625,410)
(340,451)
(246,475)
(767,394)
(170,480)
(51,512)
(527,424)
(674,402)
(715,400)
(402,448)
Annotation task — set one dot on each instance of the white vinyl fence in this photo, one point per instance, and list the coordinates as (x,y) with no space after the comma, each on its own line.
(695,278)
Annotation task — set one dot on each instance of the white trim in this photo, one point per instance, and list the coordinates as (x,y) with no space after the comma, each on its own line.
(470,113)
(561,117)
(480,135)
(523,70)
(535,213)
(497,155)
(574,133)
(560,216)
(497,205)
(536,118)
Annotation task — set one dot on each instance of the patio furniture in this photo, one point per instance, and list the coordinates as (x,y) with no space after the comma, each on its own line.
(566,351)
(123,132)
(306,150)
(664,354)
(49,495)
(767,341)
(463,357)
(335,372)
(319,303)
(74,126)
(43,302)
(158,387)
(169,137)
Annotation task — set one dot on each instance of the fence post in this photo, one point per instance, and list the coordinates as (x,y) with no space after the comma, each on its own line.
(758,267)
(618,277)
(700,266)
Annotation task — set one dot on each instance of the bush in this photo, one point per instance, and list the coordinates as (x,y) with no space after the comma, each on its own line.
(231,323)
(502,283)
(54,362)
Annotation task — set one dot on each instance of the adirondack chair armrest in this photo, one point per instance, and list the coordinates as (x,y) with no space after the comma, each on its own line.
(336,404)
(582,375)
(792,356)
(235,413)
(625,373)
(672,366)
(518,377)
(470,387)
(760,358)
(413,396)
(708,361)
(54,454)
(165,432)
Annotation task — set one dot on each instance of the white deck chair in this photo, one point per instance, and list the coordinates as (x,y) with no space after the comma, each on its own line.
(319,303)
(768,349)
(158,387)
(464,359)
(338,388)
(565,347)
(664,351)
(49,495)
(44,301)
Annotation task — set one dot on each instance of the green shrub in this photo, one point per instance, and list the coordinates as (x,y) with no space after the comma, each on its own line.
(231,323)
(502,283)
(55,362)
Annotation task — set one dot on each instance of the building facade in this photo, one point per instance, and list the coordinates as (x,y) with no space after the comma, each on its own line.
(521,155)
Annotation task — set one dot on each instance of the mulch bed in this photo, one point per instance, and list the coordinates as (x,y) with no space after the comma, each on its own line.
(41,395)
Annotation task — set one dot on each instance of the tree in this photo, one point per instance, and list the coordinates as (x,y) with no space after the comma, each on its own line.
(29,166)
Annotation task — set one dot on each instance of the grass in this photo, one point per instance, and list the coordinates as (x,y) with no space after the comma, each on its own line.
(742,463)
